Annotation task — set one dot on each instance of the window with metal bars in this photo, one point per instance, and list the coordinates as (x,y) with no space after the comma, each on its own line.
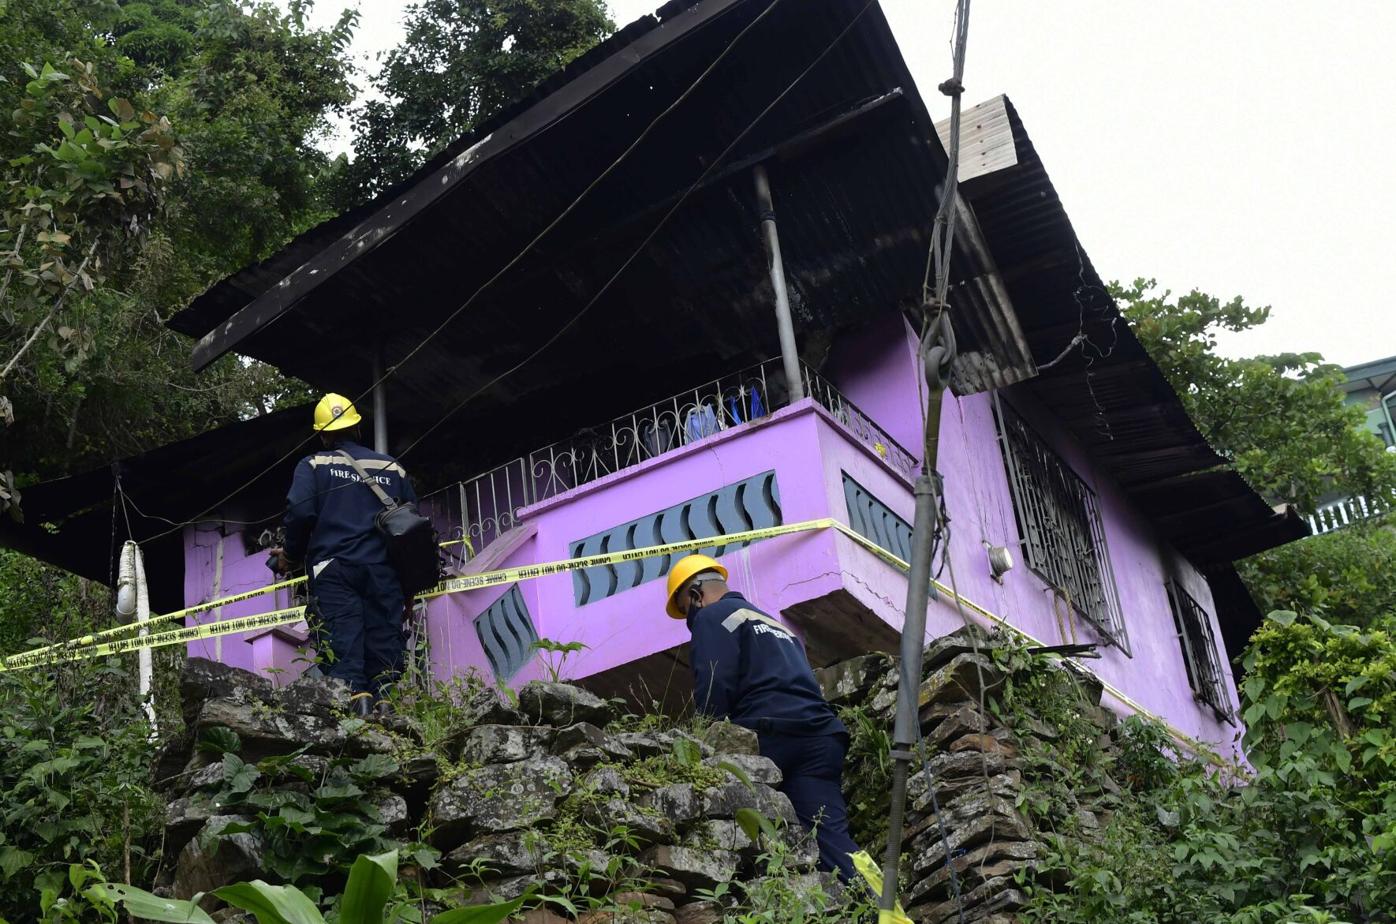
(1059,521)
(1199,646)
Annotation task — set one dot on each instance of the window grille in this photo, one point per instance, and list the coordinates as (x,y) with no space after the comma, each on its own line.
(1199,649)
(1059,521)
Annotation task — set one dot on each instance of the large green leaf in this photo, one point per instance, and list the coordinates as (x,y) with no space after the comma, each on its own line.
(479,914)
(371,883)
(271,904)
(141,905)
(12,860)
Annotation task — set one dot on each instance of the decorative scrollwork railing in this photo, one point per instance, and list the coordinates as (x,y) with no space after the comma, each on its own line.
(1346,512)
(483,508)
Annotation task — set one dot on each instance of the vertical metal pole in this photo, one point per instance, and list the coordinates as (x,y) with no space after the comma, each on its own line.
(380,404)
(906,731)
(788,354)
(1386,411)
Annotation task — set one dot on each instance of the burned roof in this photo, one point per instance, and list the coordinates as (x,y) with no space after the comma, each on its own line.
(854,164)
(78,523)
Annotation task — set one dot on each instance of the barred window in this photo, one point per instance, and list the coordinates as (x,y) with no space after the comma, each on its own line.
(1199,649)
(1059,521)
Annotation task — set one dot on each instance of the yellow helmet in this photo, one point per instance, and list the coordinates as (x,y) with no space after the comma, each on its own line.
(680,574)
(335,412)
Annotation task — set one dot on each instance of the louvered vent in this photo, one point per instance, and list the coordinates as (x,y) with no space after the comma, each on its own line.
(874,520)
(752,503)
(507,634)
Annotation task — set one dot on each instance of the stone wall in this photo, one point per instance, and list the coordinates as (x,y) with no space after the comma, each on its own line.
(557,792)
(980,761)
(550,791)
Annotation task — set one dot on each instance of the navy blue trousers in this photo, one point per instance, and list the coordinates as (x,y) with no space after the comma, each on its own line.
(812,771)
(359,610)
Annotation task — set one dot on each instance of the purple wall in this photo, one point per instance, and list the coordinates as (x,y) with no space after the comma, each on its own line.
(216,565)
(809,451)
(980,504)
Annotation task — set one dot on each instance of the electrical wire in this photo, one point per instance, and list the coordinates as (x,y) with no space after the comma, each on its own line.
(527,248)
(712,165)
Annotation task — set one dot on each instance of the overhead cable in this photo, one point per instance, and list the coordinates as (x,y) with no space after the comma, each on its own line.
(527,248)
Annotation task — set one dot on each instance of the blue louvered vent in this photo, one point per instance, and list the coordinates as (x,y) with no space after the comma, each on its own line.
(752,503)
(506,633)
(874,520)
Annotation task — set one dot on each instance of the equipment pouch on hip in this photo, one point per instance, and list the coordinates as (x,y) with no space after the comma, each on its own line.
(411,541)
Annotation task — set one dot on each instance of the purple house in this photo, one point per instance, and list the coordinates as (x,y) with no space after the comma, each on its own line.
(576,323)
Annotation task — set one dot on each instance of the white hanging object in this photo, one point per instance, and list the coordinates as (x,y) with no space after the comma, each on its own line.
(132,597)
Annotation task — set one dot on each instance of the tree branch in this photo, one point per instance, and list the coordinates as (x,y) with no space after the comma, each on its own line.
(19,242)
(39,328)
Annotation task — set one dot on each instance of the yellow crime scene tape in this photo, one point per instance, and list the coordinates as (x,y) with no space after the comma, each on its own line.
(83,648)
(38,658)
(134,627)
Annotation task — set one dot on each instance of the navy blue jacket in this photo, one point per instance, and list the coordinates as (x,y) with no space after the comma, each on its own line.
(751,670)
(329,512)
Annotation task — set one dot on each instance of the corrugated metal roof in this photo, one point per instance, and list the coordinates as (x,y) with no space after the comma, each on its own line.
(854,163)
(1108,391)
(70,522)
(854,207)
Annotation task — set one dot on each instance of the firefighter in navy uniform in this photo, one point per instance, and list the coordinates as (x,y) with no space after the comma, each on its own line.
(329,526)
(750,670)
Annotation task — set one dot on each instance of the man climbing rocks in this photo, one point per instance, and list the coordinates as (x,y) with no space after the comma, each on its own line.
(356,596)
(750,669)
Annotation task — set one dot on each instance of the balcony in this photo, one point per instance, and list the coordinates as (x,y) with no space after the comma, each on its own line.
(1346,511)
(483,508)
(726,457)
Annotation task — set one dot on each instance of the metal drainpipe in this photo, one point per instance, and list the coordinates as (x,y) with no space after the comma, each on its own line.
(380,404)
(788,354)
(1386,411)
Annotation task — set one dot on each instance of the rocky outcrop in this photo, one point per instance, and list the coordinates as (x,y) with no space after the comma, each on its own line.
(528,794)
(554,792)
(967,781)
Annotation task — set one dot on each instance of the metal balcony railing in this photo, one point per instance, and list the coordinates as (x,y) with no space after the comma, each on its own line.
(1346,512)
(483,508)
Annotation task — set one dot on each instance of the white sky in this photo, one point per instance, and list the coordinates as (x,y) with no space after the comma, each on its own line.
(1240,147)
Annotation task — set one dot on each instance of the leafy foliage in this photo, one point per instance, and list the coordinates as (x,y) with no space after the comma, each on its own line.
(1281,419)
(1304,834)
(367,899)
(869,756)
(74,772)
(313,834)
(461,62)
(180,149)
(1344,575)
(776,897)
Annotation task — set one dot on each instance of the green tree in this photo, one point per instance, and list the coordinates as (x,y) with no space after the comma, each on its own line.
(247,90)
(1280,419)
(461,62)
(1345,575)
(1306,833)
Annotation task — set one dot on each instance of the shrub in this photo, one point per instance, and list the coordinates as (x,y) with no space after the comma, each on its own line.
(74,773)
